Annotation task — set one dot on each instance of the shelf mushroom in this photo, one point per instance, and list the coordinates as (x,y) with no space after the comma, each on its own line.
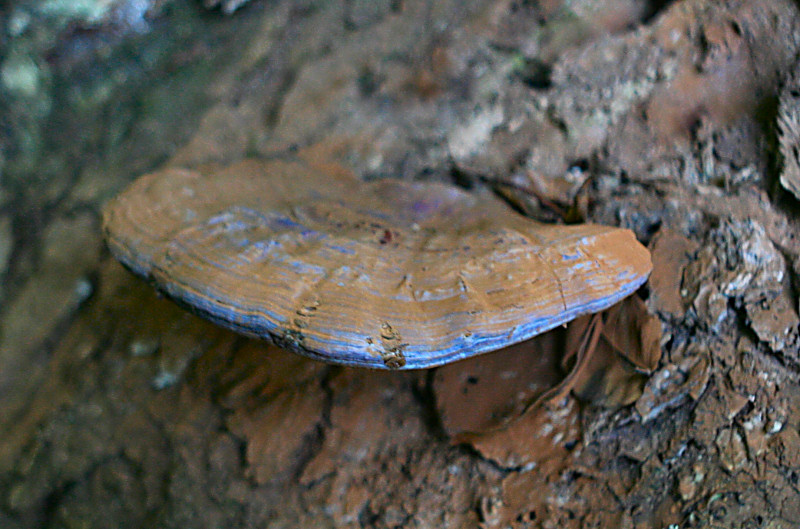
(381,274)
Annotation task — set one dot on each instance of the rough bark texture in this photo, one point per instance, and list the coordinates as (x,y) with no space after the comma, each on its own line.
(117,407)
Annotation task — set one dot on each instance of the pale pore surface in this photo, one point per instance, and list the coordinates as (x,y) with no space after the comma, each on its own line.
(379,274)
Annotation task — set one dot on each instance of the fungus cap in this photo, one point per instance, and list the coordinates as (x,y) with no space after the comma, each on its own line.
(382,274)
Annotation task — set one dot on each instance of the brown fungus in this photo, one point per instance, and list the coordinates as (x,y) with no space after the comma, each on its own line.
(382,274)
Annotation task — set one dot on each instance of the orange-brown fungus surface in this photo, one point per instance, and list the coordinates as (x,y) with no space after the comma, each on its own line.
(383,274)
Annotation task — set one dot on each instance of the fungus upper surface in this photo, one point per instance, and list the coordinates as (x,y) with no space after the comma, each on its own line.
(383,274)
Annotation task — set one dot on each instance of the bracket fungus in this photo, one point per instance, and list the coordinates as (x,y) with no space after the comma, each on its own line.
(380,274)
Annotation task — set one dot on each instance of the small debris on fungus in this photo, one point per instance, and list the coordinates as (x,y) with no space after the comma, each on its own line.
(381,274)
